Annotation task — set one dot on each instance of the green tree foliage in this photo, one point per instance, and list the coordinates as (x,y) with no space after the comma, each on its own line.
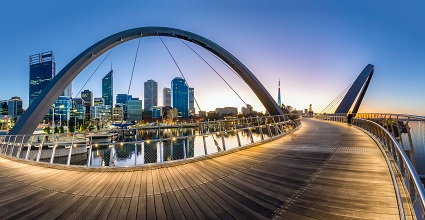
(46,130)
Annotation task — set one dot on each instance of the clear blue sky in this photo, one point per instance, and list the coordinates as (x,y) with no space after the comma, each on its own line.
(316,48)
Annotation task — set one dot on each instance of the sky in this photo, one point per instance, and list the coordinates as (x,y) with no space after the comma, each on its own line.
(316,48)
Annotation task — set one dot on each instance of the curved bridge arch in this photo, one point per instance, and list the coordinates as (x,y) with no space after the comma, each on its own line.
(35,112)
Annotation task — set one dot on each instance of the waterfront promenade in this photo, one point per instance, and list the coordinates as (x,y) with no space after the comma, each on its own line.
(324,170)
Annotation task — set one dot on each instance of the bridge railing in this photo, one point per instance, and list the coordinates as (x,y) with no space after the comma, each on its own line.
(387,132)
(132,147)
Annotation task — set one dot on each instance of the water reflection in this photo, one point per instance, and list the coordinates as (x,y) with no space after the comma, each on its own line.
(154,151)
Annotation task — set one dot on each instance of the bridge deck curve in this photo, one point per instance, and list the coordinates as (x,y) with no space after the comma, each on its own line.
(322,171)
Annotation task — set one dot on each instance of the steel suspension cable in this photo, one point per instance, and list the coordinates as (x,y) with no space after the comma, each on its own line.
(213,70)
(134,65)
(225,64)
(94,72)
(178,67)
(336,100)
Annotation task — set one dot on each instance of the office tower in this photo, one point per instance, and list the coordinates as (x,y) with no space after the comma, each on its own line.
(123,98)
(42,71)
(117,113)
(77,101)
(278,94)
(191,101)
(108,88)
(134,110)
(87,96)
(180,96)
(151,94)
(102,113)
(68,91)
(14,106)
(62,109)
(3,107)
(166,96)
(99,101)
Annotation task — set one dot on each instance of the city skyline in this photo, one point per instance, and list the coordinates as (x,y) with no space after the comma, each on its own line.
(316,49)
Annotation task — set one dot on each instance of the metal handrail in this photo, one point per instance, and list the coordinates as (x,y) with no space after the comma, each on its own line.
(34,149)
(406,169)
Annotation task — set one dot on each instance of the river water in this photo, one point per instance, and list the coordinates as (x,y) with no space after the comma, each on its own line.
(144,153)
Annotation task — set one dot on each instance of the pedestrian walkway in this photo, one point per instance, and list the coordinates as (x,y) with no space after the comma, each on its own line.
(324,170)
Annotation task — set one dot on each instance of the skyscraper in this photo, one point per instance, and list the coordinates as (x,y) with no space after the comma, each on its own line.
(99,101)
(278,94)
(42,71)
(134,110)
(151,94)
(108,88)
(87,96)
(3,107)
(14,106)
(63,109)
(192,101)
(180,96)
(166,96)
(123,98)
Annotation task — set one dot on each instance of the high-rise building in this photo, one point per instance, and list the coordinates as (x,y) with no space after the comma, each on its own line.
(42,71)
(87,96)
(134,110)
(151,94)
(108,88)
(3,107)
(14,106)
(62,109)
(68,91)
(166,96)
(180,96)
(123,98)
(191,101)
(278,94)
(117,113)
(77,101)
(99,101)
(101,112)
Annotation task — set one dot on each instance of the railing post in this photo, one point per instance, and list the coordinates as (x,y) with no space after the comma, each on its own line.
(142,153)
(205,145)
(161,156)
(68,161)
(250,135)
(238,138)
(184,148)
(261,132)
(39,153)
(89,159)
(135,153)
(223,141)
(412,149)
(269,130)
(171,149)
(112,155)
(53,153)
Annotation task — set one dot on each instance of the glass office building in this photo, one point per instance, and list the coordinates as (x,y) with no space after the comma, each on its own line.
(180,96)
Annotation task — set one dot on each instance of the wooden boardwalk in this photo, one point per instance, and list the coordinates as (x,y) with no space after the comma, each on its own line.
(323,171)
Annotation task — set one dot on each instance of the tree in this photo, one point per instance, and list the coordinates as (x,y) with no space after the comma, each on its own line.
(71,129)
(46,130)
(56,130)
(61,130)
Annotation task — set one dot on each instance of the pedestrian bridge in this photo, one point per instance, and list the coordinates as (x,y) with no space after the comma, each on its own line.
(324,170)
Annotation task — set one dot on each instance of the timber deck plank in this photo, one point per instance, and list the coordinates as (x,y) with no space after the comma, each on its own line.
(322,171)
